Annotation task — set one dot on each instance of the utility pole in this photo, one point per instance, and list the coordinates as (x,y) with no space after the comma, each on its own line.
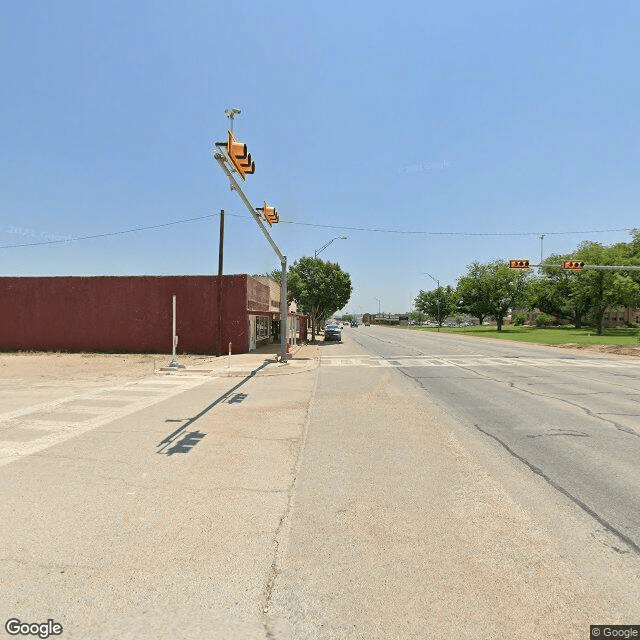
(436,280)
(220,259)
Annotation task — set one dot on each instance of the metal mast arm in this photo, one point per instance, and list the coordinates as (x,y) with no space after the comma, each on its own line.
(222,158)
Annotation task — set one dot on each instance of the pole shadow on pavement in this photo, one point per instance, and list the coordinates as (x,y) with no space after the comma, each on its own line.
(189,440)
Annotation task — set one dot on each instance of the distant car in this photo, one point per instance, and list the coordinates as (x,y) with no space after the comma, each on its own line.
(367,324)
(354,324)
(332,332)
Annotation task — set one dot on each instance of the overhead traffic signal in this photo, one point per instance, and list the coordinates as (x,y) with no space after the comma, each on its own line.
(270,214)
(518,264)
(239,156)
(573,264)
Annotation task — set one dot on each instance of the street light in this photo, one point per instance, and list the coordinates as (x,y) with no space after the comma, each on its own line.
(323,247)
(438,297)
(317,251)
(378,299)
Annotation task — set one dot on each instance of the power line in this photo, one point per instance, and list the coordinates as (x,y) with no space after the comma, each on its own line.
(321,226)
(455,233)
(105,235)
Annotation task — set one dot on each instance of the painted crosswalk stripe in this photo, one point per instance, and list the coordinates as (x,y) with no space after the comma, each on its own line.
(471,361)
(33,429)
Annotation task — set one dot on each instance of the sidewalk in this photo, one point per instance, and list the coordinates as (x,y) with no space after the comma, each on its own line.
(263,361)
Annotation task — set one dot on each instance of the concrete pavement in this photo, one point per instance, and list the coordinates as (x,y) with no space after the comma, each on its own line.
(159,521)
(263,361)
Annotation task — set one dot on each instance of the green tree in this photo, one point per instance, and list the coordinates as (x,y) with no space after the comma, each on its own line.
(418,316)
(473,290)
(438,303)
(576,295)
(320,288)
(543,320)
(552,292)
(601,289)
(490,290)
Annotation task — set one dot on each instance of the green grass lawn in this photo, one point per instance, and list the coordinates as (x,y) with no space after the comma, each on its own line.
(550,335)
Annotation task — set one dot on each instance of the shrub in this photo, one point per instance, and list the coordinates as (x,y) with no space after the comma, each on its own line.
(543,320)
(519,319)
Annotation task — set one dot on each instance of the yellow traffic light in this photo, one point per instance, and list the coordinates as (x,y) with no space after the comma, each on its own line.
(240,159)
(270,214)
(518,264)
(573,264)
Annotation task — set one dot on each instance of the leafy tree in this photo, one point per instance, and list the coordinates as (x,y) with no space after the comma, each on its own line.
(553,292)
(438,303)
(600,289)
(472,290)
(543,320)
(576,295)
(320,288)
(490,290)
(418,316)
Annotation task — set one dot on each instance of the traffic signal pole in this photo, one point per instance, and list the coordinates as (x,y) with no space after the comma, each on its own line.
(583,267)
(222,157)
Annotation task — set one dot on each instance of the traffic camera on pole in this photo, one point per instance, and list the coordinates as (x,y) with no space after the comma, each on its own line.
(573,265)
(270,214)
(239,156)
(518,264)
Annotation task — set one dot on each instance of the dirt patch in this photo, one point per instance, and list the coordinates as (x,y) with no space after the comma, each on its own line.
(617,349)
(86,366)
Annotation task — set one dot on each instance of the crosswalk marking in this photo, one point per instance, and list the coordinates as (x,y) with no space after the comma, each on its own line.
(468,361)
(32,429)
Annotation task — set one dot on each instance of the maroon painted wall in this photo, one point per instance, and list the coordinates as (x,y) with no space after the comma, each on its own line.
(241,296)
(125,313)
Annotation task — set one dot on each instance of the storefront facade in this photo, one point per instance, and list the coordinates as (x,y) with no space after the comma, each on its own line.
(134,313)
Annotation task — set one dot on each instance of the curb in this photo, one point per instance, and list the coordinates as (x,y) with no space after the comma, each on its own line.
(265,368)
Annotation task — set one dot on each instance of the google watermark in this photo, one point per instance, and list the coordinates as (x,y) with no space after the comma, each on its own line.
(35,235)
(614,631)
(15,627)
(418,167)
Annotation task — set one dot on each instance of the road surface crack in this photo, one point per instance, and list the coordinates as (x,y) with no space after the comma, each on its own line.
(608,526)
(281,532)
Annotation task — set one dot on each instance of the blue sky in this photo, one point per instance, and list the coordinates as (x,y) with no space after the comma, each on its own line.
(459,131)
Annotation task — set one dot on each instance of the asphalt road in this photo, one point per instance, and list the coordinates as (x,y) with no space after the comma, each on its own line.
(573,418)
(459,488)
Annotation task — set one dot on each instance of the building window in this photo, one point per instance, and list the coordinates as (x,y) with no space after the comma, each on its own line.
(262,327)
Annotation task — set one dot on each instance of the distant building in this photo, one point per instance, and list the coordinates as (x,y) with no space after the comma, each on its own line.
(621,316)
(617,317)
(391,319)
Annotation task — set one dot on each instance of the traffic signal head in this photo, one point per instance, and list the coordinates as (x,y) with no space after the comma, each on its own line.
(518,264)
(573,264)
(239,157)
(270,214)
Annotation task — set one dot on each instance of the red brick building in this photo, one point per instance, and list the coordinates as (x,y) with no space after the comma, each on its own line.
(134,313)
